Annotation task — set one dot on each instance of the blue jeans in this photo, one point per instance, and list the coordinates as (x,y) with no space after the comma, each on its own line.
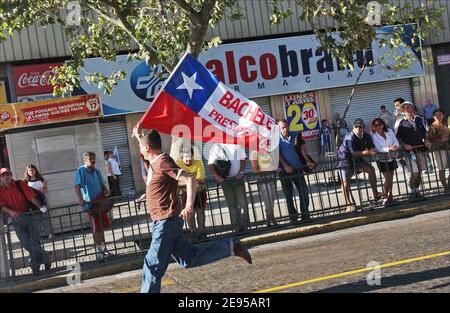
(168,240)
(27,230)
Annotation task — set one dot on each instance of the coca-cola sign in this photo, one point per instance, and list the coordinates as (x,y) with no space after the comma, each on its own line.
(33,79)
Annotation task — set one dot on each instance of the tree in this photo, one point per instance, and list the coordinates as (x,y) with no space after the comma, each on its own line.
(357,22)
(164,29)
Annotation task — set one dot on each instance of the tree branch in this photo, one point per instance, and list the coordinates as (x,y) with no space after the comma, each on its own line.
(120,21)
(182,4)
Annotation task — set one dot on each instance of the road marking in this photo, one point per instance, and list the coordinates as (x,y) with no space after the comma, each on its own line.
(134,289)
(366,269)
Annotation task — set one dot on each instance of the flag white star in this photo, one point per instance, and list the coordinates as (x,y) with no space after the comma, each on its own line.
(189,84)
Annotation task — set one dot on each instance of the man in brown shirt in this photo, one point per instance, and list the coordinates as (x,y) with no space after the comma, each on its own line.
(168,239)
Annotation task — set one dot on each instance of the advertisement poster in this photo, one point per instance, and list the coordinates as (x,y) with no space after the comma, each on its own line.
(133,94)
(24,114)
(3,98)
(33,79)
(287,65)
(302,114)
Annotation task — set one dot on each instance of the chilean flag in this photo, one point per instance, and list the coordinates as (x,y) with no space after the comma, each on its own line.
(194,104)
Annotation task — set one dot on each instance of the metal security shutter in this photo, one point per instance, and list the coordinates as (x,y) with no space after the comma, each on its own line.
(115,134)
(368,98)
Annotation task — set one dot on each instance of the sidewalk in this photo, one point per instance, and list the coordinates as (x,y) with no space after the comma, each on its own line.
(322,225)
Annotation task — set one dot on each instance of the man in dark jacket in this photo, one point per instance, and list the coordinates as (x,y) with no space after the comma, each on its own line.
(411,134)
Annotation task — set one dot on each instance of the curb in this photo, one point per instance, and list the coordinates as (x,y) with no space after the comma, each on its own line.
(370,217)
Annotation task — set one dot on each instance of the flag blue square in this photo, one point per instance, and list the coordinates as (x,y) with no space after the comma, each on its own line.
(201,78)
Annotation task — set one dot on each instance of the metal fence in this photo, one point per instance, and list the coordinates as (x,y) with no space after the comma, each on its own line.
(67,233)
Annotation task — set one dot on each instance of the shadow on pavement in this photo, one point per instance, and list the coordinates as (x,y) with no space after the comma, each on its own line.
(392,281)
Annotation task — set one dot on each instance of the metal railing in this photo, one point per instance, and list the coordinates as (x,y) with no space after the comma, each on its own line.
(71,237)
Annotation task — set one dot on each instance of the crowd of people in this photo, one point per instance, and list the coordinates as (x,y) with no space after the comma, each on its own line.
(167,180)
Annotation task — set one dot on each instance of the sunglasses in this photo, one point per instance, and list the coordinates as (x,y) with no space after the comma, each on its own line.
(5,174)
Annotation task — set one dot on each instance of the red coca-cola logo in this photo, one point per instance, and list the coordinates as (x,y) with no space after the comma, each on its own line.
(33,79)
(4,116)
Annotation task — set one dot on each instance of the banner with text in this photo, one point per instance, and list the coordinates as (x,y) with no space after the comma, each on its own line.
(14,115)
(302,114)
(298,64)
(3,98)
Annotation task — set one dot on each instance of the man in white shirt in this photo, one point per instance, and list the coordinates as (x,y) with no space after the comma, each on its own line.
(113,171)
(232,182)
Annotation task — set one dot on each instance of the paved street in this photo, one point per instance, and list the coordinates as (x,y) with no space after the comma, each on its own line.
(419,247)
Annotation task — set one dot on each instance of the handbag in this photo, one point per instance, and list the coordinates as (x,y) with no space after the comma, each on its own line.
(223,166)
(31,205)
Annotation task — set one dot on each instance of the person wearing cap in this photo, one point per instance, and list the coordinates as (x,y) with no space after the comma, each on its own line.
(353,157)
(411,134)
(15,198)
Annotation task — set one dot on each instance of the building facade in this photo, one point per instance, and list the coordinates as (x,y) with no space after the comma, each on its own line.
(36,46)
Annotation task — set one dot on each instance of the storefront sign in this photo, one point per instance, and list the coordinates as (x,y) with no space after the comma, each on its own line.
(45,96)
(15,115)
(302,114)
(33,79)
(3,98)
(133,94)
(293,64)
(443,59)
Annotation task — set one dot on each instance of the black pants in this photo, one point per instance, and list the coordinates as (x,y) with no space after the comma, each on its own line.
(114,186)
(287,182)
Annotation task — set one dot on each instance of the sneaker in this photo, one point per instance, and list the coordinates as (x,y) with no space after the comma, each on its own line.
(107,254)
(350,208)
(241,252)
(35,271)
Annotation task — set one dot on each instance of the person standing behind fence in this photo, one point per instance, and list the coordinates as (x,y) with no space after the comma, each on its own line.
(292,173)
(168,239)
(385,142)
(354,156)
(196,169)
(438,135)
(398,112)
(15,198)
(428,111)
(411,134)
(232,180)
(340,129)
(326,142)
(386,116)
(39,185)
(265,165)
(113,172)
(90,190)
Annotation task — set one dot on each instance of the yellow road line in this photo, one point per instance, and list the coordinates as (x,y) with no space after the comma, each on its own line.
(135,289)
(366,269)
